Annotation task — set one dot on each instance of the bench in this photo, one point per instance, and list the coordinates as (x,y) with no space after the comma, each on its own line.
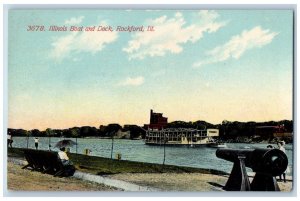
(47,162)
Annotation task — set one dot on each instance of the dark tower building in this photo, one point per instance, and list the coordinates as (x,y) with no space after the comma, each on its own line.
(157,121)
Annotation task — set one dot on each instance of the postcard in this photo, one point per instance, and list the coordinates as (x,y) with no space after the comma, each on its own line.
(159,100)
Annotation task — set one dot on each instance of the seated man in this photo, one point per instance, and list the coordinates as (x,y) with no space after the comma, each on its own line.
(64,157)
(68,167)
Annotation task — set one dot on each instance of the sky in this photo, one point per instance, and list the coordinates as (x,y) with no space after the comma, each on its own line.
(211,65)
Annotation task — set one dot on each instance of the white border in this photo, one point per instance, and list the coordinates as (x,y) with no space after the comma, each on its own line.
(188,4)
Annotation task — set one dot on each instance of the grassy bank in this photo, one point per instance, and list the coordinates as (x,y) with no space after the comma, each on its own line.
(101,166)
(35,181)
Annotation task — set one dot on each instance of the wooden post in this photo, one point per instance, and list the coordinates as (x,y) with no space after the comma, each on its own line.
(112,146)
(49,142)
(76,144)
(164,152)
(27,140)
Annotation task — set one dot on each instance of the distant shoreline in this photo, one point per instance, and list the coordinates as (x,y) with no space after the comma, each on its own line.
(247,140)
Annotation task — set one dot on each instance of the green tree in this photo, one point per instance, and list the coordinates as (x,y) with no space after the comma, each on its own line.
(135,131)
(36,132)
(111,129)
(75,132)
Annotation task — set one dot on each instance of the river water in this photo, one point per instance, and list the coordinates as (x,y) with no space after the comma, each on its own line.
(136,150)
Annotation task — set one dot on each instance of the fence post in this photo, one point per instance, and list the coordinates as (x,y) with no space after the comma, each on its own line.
(112,145)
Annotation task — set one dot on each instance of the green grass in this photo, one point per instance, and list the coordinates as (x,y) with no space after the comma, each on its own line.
(101,166)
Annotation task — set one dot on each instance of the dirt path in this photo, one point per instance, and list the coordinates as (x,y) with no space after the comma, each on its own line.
(176,181)
(26,180)
(185,181)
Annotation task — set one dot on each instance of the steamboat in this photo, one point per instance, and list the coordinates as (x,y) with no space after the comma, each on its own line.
(182,137)
(157,133)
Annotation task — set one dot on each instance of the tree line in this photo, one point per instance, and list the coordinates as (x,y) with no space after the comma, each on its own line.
(227,129)
(235,131)
(84,131)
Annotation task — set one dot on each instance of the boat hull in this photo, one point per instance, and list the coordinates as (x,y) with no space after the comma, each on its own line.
(214,145)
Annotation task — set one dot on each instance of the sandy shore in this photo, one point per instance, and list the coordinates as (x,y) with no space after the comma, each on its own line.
(26,180)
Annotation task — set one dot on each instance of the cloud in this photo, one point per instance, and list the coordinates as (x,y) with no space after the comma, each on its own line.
(238,45)
(170,34)
(74,21)
(135,81)
(78,42)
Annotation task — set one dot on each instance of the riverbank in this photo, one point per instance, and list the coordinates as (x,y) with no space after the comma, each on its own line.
(106,166)
(155,176)
(36,181)
(161,182)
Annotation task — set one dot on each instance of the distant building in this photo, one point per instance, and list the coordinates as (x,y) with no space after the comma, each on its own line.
(265,131)
(120,134)
(272,131)
(157,121)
